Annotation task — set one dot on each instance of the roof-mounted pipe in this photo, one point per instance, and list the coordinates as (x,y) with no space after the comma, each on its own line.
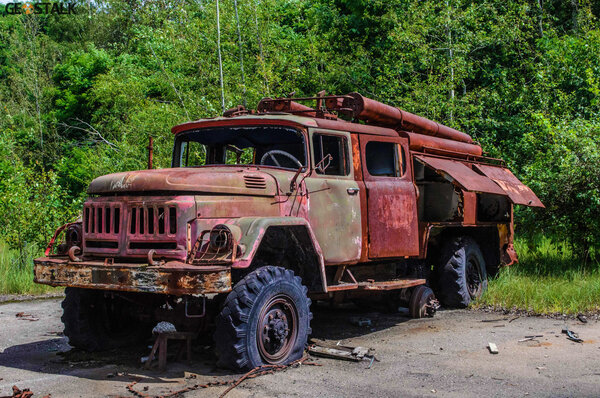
(284,105)
(375,112)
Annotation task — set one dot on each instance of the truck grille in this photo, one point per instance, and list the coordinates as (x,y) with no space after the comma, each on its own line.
(152,220)
(102,219)
(129,227)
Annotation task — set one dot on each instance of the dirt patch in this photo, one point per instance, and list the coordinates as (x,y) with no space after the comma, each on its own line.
(424,328)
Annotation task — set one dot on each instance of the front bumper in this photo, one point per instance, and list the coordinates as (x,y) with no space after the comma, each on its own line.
(173,277)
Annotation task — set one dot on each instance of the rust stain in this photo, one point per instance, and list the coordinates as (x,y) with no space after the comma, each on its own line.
(172,278)
(391,211)
(518,192)
(462,174)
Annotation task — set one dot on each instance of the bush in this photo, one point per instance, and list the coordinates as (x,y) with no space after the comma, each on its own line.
(32,203)
(565,173)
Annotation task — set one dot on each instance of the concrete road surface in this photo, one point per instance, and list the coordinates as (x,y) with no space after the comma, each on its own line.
(446,356)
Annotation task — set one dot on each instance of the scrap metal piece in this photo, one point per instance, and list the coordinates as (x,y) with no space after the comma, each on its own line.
(582,318)
(359,321)
(529,338)
(354,354)
(26,317)
(332,353)
(572,335)
(493,348)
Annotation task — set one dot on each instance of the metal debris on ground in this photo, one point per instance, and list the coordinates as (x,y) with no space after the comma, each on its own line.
(355,354)
(18,393)
(572,335)
(494,320)
(493,348)
(582,318)
(359,321)
(532,337)
(26,317)
(256,372)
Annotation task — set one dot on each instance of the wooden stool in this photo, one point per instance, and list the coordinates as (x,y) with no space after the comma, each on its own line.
(160,344)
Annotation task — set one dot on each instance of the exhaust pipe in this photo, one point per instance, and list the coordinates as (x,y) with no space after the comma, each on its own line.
(150,151)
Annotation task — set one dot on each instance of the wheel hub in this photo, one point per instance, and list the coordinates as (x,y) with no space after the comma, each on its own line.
(277,328)
(473,279)
(276,332)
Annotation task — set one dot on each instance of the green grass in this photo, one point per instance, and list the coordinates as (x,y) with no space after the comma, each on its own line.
(16,271)
(548,279)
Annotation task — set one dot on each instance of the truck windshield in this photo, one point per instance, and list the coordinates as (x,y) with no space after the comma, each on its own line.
(263,145)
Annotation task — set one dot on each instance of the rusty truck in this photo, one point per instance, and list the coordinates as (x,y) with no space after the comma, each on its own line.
(264,210)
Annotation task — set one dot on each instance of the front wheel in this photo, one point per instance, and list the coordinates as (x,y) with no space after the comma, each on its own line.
(265,320)
(95,321)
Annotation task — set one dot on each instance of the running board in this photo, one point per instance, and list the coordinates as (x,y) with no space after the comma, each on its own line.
(372,285)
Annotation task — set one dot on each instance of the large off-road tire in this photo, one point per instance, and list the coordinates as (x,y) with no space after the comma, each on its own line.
(94,322)
(463,276)
(265,320)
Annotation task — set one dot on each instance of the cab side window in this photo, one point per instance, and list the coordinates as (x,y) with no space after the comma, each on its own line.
(382,159)
(335,146)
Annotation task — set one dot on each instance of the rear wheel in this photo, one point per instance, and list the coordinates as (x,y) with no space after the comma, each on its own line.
(463,276)
(422,302)
(265,320)
(96,321)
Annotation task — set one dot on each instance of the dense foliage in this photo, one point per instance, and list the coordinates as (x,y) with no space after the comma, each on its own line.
(80,94)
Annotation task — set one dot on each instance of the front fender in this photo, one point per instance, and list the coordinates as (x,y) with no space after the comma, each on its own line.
(253,232)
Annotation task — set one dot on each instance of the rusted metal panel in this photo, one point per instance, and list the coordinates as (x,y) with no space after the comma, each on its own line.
(334,211)
(394,284)
(460,173)
(518,192)
(469,207)
(213,179)
(358,177)
(129,226)
(508,254)
(250,120)
(171,278)
(286,120)
(391,209)
(391,285)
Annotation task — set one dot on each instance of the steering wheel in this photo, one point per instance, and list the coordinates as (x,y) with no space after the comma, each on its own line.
(279,152)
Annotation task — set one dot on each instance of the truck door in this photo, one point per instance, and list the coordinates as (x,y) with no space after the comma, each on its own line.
(333,198)
(391,197)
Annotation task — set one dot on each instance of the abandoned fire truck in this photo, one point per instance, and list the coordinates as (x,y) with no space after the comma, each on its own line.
(264,210)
